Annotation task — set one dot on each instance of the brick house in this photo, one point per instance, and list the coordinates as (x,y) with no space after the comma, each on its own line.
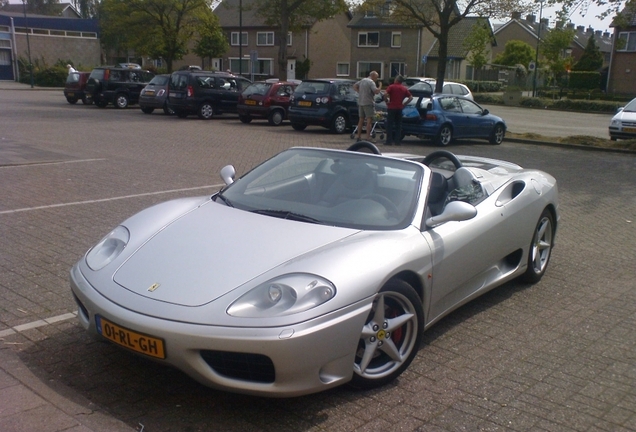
(622,69)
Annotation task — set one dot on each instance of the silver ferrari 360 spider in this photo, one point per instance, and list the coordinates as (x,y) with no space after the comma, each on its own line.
(316,268)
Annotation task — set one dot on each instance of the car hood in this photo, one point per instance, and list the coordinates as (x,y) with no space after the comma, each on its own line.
(215,249)
(625,116)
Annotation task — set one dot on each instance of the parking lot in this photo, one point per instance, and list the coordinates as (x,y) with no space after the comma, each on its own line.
(556,356)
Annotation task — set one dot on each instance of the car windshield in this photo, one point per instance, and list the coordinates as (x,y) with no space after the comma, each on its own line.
(160,80)
(330,187)
(257,88)
(630,107)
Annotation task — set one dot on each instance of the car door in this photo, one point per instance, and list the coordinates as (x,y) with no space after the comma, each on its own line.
(477,124)
(467,256)
(453,113)
(227,92)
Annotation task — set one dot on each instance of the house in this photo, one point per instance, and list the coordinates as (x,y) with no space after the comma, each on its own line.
(457,67)
(527,30)
(622,69)
(253,45)
(66,10)
(46,39)
(378,44)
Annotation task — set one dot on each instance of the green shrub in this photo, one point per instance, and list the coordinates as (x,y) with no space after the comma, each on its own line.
(487,98)
(484,86)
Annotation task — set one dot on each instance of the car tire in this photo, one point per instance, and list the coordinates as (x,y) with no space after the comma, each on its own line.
(147,110)
(276,117)
(87,101)
(167,110)
(72,101)
(540,248)
(390,337)
(299,126)
(497,135)
(181,114)
(444,136)
(339,124)
(121,101)
(206,111)
(101,104)
(245,119)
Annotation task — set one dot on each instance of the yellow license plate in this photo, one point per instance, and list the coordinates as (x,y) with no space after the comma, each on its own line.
(71,94)
(137,342)
(304,103)
(149,93)
(630,130)
(250,102)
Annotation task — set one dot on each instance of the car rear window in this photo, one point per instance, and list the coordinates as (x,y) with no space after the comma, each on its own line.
(73,77)
(257,88)
(97,74)
(178,82)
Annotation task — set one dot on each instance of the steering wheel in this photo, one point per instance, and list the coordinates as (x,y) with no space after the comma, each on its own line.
(439,154)
(391,208)
(364,145)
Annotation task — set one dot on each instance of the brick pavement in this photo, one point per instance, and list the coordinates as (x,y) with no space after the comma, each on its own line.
(556,356)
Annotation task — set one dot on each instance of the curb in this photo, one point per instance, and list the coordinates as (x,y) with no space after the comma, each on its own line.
(571,146)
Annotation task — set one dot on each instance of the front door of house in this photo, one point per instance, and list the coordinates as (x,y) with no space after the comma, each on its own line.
(291,69)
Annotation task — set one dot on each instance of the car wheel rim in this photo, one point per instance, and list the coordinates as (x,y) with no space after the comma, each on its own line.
(207,111)
(388,338)
(445,136)
(499,135)
(542,245)
(277,118)
(122,102)
(340,124)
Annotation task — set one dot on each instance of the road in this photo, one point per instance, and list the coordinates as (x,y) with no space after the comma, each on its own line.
(555,356)
(552,123)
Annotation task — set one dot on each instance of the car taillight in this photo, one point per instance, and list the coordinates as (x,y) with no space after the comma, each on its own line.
(190,91)
(431,117)
(106,74)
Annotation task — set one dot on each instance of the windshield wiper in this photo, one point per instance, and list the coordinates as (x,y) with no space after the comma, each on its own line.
(284,214)
(225,200)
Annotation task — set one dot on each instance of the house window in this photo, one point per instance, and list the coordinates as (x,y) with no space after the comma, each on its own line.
(396,40)
(626,41)
(289,39)
(265,38)
(369,39)
(239,65)
(365,68)
(264,67)
(397,68)
(235,38)
(342,69)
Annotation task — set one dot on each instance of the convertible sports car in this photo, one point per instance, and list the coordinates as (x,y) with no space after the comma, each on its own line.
(316,268)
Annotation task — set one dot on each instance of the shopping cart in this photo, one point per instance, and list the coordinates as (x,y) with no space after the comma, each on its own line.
(377,126)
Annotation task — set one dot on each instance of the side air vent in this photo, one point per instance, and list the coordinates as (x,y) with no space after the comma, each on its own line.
(243,366)
(510,192)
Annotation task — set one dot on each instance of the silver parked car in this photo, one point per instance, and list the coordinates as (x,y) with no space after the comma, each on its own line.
(623,124)
(317,268)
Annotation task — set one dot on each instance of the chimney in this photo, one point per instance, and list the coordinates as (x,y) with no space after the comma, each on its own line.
(598,34)
(571,26)
(545,21)
(580,28)
(589,31)
(606,35)
(516,15)
(559,24)
(530,18)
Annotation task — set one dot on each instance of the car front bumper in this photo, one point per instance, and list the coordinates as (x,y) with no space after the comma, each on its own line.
(616,132)
(307,357)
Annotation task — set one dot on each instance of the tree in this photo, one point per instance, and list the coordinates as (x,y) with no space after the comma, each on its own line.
(294,15)
(553,48)
(515,52)
(212,41)
(439,16)
(88,8)
(591,59)
(477,44)
(156,28)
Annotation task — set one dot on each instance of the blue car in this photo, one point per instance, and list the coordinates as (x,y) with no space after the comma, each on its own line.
(444,118)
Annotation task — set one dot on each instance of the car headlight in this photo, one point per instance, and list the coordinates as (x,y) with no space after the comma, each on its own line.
(282,296)
(615,122)
(108,248)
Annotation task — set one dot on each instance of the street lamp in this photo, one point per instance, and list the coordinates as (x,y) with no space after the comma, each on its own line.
(536,61)
(26,27)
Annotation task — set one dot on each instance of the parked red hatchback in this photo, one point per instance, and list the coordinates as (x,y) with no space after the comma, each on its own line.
(266,99)
(75,86)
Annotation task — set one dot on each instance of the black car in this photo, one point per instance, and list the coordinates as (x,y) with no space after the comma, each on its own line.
(155,95)
(204,93)
(331,103)
(116,85)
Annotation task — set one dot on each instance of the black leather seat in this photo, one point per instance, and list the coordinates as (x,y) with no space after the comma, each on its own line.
(437,193)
